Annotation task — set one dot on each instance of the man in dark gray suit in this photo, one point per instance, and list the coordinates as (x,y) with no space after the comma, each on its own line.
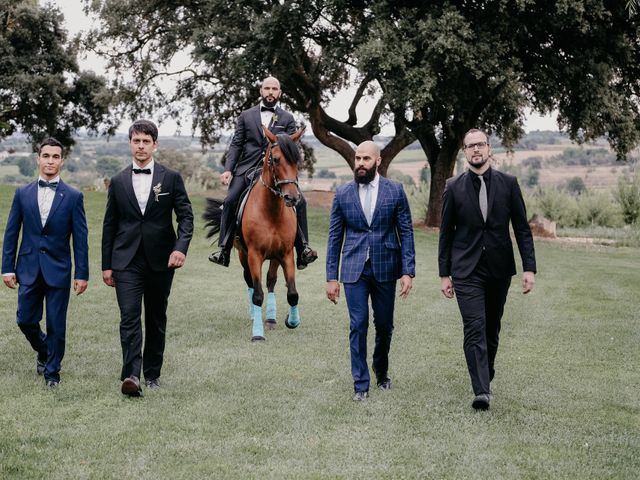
(244,157)
(475,255)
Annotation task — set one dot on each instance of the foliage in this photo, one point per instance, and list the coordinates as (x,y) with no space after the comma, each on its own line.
(42,90)
(325,173)
(192,169)
(403,178)
(108,166)
(27,166)
(584,157)
(628,196)
(575,185)
(597,208)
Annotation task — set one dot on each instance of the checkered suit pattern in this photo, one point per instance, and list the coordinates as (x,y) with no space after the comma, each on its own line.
(389,238)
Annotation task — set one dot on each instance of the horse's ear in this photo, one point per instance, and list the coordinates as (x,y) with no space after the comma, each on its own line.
(272,138)
(296,136)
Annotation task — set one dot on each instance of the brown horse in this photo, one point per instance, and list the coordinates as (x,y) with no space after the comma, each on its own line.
(268,229)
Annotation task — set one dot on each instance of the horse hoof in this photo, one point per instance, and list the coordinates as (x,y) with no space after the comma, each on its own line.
(270,324)
(257,339)
(289,325)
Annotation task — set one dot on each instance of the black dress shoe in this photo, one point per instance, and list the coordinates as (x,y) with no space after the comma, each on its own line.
(52,383)
(481,402)
(384,384)
(221,257)
(306,257)
(131,387)
(153,384)
(360,396)
(40,365)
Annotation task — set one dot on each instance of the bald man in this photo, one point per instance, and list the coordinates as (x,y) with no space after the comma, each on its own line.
(245,156)
(370,227)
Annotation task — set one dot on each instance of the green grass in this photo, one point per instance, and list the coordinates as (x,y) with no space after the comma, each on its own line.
(566,391)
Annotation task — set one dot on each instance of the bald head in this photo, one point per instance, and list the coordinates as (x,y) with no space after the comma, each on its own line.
(270,91)
(369,147)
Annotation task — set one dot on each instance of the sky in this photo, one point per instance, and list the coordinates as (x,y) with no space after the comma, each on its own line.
(76,21)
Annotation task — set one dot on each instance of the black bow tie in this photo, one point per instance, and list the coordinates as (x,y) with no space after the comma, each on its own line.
(146,171)
(51,185)
(268,109)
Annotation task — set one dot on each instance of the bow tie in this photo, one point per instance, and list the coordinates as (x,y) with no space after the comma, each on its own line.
(51,185)
(268,109)
(146,171)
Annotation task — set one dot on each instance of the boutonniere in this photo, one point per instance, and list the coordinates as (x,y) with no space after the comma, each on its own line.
(156,190)
(274,119)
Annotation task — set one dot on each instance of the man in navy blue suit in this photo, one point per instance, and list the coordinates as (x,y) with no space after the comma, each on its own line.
(246,153)
(370,227)
(49,212)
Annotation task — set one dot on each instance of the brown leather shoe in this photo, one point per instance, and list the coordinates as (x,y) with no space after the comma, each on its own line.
(131,386)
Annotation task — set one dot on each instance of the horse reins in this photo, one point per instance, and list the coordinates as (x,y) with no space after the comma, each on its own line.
(276,191)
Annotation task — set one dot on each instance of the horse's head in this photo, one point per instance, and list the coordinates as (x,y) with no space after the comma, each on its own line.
(282,161)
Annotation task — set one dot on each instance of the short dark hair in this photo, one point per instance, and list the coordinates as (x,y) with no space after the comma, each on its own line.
(50,142)
(146,127)
(476,130)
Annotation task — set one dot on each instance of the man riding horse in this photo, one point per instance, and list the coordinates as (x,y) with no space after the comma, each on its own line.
(245,154)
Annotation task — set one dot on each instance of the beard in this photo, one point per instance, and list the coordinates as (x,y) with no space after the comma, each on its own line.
(478,162)
(366,177)
(269,103)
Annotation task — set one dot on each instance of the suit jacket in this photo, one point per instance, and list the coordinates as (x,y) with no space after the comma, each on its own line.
(249,142)
(464,235)
(125,227)
(389,238)
(46,249)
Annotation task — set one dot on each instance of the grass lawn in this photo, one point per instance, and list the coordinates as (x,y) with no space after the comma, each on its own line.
(566,401)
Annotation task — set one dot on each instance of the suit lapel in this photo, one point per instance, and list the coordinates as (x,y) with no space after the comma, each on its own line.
(57,200)
(382,192)
(354,193)
(471,193)
(158,177)
(34,208)
(128,187)
(257,119)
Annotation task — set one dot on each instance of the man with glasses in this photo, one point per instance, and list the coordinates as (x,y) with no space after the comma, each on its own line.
(475,255)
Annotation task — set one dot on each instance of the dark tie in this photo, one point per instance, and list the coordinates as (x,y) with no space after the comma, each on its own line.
(482,198)
(51,185)
(146,171)
(267,109)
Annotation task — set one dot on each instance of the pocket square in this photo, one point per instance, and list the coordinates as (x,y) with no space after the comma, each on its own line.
(165,193)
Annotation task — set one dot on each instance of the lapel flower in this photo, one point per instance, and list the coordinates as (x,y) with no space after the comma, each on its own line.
(156,190)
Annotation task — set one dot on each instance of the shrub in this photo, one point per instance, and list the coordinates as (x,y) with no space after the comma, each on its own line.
(597,208)
(575,185)
(628,197)
(325,173)
(557,206)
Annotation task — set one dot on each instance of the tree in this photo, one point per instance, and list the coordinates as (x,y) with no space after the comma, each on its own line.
(108,166)
(42,90)
(437,68)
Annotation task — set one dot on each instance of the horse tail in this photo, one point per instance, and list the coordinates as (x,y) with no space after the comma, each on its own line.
(213,216)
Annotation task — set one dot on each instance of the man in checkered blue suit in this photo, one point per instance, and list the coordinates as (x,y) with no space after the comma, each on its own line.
(370,227)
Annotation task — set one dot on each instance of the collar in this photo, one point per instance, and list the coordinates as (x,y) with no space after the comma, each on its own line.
(56,179)
(374,183)
(149,165)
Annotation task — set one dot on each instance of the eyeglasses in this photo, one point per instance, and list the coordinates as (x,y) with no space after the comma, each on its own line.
(472,146)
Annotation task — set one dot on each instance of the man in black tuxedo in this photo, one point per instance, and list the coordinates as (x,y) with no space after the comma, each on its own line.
(245,155)
(140,252)
(475,255)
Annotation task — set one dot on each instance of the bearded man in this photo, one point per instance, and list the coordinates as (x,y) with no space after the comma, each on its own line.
(370,226)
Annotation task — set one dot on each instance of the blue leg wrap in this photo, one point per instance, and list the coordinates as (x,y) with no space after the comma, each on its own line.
(294,316)
(258,327)
(271,306)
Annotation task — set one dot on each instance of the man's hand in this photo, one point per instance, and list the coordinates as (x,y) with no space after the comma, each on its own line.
(333,290)
(10,280)
(225,178)
(176,259)
(79,286)
(446,286)
(406,282)
(528,281)
(107,278)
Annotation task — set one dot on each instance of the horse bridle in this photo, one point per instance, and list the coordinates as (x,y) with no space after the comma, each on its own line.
(276,187)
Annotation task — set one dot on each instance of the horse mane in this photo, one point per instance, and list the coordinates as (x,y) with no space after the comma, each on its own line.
(289,149)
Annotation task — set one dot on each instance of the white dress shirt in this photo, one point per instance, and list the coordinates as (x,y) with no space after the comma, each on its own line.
(142,184)
(45,199)
(362,191)
(266,116)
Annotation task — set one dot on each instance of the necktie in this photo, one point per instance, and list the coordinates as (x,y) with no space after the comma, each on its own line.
(146,171)
(51,185)
(268,109)
(483,198)
(367,202)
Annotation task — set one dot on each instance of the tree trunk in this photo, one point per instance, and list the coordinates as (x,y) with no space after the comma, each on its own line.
(441,168)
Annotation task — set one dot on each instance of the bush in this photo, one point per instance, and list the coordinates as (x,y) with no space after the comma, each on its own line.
(418,196)
(575,186)
(27,166)
(324,173)
(403,178)
(557,206)
(597,209)
(628,197)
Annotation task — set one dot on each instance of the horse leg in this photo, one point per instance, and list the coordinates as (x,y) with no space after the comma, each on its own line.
(247,279)
(293,318)
(255,266)
(272,278)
